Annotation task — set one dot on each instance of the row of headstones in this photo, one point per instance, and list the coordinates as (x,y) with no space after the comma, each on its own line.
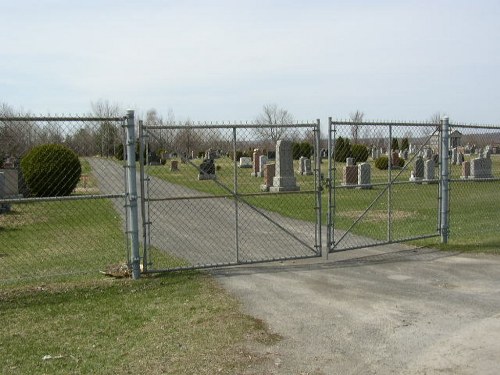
(358,176)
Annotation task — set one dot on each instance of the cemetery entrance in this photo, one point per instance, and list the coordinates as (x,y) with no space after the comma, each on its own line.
(384,184)
(226,194)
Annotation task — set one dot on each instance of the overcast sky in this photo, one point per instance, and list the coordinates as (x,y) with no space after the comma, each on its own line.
(223,60)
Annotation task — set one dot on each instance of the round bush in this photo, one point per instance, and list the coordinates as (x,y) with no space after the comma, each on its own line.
(51,170)
(359,153)
(382,163)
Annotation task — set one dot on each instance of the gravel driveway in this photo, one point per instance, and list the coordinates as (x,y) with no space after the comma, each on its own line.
(391,310)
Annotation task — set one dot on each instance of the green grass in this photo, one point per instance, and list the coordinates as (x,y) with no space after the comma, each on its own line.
(415,207)
(55,238)
(55,304)
(181,323)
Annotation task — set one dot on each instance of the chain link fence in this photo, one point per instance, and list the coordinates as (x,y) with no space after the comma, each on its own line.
(60,211)
(474,187)
(208,193)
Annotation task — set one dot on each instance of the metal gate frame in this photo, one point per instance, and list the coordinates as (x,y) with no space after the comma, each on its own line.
(443,190)
(239,198)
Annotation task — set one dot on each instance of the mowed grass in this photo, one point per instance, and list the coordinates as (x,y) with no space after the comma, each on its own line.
(414,207)
(180,323)
(60,315)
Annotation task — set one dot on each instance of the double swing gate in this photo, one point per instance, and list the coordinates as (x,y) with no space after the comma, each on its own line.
(204,203)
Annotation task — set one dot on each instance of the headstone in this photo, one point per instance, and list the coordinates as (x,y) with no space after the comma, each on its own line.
(207,170)
(374,153)
(435,157)
(395,159)
(465,170)
(284,179)
(480,168)
(419,168)
(429,170)
(210,154)
(350,175)
(364,176)
(256,162)
(460,158)
(262,163)
(405,154)
(174,166)
(11,182)
(3,206)
(454,156)
(269,170)
(245,162)
(305,166)
(192,155)
(427,153)
(349,162)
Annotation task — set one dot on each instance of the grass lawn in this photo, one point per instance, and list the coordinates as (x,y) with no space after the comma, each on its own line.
(79,321)
(181,323)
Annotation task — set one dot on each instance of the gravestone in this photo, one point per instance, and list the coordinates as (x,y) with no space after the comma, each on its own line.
(480,168)
(364,176)
(269,170)
(210,154)
(306,167)
(395,159)
(4,207)
(427,153)
(245,162)
(174,166)
(405,154)
(207,170)
(262,163)
(374,153)
(465,170)
(454,156)
(11,182)
(256,162)
(350,173)
(419,168)
(460,158)
(429,171)
(284,179)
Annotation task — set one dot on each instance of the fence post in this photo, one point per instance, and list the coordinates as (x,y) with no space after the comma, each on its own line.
(444,179)
(133,229)
(319,189)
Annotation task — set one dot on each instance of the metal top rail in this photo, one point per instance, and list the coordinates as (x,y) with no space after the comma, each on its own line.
(230,126)
(67,119)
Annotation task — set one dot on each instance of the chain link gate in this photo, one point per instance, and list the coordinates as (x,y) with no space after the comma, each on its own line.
(388,189)
(206,198)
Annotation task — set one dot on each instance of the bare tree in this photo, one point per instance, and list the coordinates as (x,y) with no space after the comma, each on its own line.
(356,119)
(108,134)
(275,117)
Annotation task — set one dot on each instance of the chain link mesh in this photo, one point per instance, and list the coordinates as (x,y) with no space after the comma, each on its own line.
(58,217)
(209,205)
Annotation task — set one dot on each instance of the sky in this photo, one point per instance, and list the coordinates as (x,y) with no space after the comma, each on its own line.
(223,60)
